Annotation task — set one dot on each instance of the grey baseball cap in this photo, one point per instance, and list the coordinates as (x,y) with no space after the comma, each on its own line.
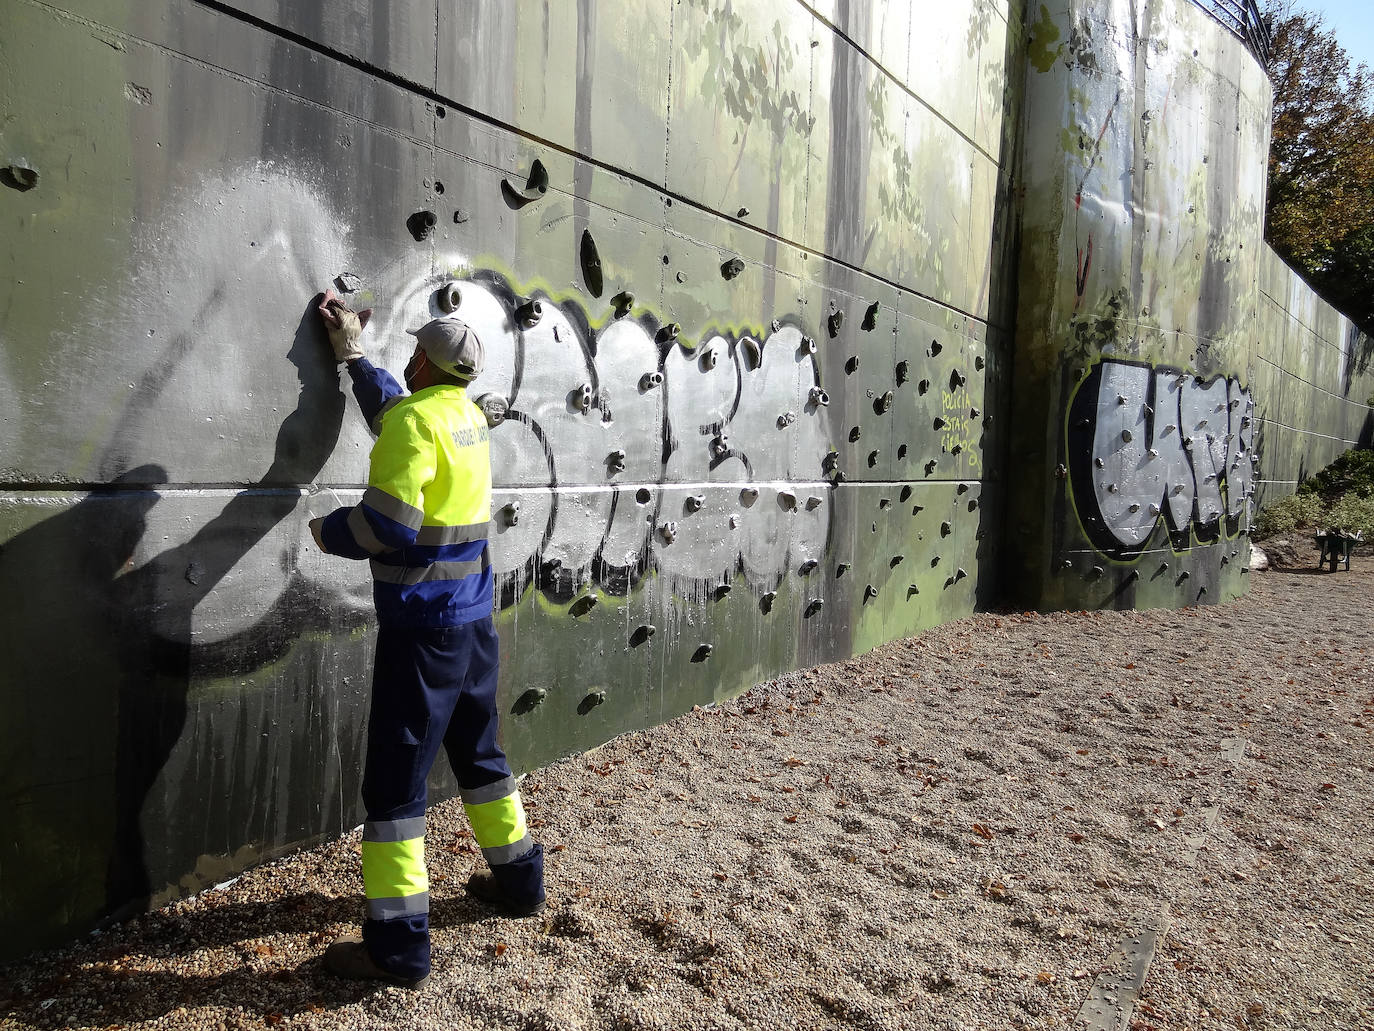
(453,346)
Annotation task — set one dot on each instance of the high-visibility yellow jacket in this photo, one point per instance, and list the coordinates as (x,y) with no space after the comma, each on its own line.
(423,519)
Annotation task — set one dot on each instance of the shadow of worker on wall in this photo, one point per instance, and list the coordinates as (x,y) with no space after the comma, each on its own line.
(100,658)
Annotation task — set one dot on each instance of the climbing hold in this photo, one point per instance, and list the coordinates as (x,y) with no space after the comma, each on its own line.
(720,446)
(961,489)
(930,466)
(808,345)
(702,653)
(616,461)
(527,701)
(883,405)
(819,397)
(582,398)
(528,314)
(956,449)
(939,424)
(814,606)
(960,573)
(709,359)
(1121,399)
(854,434)
(831,459)
(734,522)
(870,321)
(787,500)
(946,529)
(511,513)
(590,702)
(623,302)
(934,349)
(841,569)
(1111,488)
(753,353)
(905,493)
(641,634)
(668,531)
(730,269)
(901,451)
(869,592)
(835,321)
(902,372)
(973,413)
(721,591)
(1096,571)
(873,458)
(1098,463)
(447,298)
(591,264)
(668,333)
(766,602)
(535,187)
(806,567)
(1133,576)
(741,212)
(923,386)
(421,224)
(348,283)
(494,408)
(956,379)
(459,216)
(978,363)
(693,502)
(650,380)
(786,419)
(911,591)
(748,496)
(884,504)
(813,503)
(583,605)
(852,365)
(895,561)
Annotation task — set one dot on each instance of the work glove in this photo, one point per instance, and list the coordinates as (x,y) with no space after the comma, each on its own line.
(316,531)
(344,326)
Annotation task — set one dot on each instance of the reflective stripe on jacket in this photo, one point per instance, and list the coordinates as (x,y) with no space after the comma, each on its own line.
(424,516)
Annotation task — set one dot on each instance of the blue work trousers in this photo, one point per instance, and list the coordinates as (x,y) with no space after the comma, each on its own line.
(433,686)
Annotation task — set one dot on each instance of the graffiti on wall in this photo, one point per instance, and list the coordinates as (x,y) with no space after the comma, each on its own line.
(643,451)
(1153,444)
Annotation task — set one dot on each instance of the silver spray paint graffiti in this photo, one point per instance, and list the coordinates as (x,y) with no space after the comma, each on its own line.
(1150,444)
(610,443)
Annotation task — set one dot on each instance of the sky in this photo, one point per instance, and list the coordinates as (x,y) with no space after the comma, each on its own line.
(1352,21)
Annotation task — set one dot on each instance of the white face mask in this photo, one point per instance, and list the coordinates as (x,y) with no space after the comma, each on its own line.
(412,369)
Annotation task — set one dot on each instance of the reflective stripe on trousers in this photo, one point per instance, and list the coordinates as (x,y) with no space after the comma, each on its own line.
(394,878)
(498,821)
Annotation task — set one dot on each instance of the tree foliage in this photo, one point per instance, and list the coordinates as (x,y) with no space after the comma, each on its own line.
(1320,210)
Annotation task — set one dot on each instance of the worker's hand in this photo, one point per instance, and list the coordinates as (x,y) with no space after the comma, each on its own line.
(344,326)
(316,529)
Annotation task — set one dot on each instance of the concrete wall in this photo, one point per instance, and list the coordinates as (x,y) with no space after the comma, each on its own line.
(769,414)
(1168,369)
(754,201)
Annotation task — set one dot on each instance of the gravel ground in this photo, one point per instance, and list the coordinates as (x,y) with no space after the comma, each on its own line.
(981,827)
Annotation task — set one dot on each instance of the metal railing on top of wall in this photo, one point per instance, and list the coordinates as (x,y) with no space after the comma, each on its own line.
(1242,19)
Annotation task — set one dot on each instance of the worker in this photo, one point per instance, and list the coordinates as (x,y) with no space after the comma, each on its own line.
(422,522)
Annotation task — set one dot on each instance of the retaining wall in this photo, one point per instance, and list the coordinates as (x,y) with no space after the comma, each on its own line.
(761,419)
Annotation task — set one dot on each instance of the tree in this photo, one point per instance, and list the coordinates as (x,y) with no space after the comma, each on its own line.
(1320,211)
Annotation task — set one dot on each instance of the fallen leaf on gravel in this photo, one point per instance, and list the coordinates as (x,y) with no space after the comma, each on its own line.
(781,733)
(790,819)
(1328,787)
(938,894)
(982,831)
(1044,977)
(756,798)
(721,876)
(788,788)
(557,848)
(793,761)
(500,948)
(1075,838)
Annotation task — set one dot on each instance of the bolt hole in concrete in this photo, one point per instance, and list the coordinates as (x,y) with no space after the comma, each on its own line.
(438,186)
(440,112)
(643,496)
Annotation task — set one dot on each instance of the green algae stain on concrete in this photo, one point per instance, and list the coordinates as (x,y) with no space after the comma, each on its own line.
(1041,49)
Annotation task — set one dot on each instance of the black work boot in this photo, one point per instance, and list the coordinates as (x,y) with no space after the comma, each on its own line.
(484,888)
(348,957)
